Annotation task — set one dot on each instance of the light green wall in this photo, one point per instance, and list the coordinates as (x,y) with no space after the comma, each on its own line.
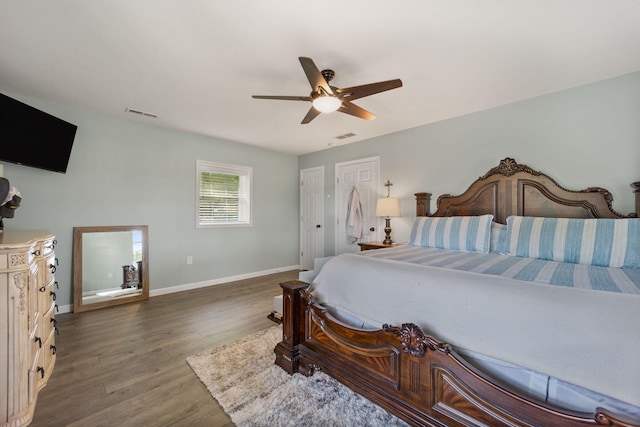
(582,137)
(131,173)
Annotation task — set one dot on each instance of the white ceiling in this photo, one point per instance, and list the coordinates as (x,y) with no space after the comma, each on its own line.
(196,63)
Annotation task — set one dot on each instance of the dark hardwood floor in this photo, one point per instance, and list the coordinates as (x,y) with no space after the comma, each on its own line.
(125,366)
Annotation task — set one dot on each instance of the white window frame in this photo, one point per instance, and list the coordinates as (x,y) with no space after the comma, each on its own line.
(246,182)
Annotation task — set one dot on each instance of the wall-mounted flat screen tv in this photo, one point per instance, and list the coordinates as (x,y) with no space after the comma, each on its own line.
(34,138)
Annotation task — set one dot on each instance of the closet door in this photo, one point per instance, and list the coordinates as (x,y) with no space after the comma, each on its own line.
(311,216)
(364,175)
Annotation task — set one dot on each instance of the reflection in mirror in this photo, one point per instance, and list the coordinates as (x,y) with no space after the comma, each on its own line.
(110,266)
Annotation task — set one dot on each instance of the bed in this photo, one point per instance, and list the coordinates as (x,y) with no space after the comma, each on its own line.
(361,318)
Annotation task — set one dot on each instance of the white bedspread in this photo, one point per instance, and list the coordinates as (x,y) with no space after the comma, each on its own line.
(588,338)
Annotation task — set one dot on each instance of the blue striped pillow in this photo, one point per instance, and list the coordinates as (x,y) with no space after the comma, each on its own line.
(458,233)
(602,242)
(498,236)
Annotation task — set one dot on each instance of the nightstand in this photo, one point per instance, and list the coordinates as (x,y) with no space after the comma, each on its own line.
(367,246)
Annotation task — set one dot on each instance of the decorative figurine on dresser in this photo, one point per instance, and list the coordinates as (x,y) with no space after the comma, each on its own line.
(28,327)
(10,199)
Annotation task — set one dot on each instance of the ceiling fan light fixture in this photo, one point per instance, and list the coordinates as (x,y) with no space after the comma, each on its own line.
(326,98)
(326,104)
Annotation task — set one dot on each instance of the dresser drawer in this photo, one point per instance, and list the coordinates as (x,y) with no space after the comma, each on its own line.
(46,296)
(47,357)
(49,321)
(50,267)
(48,246)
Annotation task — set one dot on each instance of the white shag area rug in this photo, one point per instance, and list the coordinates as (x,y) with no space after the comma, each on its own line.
(244,379)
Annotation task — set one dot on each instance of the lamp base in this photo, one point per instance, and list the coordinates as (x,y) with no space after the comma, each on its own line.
(387,231)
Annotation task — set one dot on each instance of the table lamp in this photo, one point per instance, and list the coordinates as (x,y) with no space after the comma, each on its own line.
(388,207)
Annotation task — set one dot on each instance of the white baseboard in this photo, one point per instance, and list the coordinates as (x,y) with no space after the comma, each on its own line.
(197,285)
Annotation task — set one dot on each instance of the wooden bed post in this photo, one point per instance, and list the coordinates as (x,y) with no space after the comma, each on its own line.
(287,352)
(423,204)
(636,190)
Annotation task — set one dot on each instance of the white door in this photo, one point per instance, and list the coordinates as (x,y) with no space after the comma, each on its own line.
(311,216)
(364,175)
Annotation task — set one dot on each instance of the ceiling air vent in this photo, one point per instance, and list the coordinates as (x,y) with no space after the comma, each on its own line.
(346,135)
(142,113)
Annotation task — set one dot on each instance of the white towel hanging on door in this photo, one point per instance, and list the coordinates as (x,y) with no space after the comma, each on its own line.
(354,215)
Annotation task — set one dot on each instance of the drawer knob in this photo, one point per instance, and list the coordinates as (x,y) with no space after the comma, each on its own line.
(36,252)
(39,341)
(41,370)
(53,295)
(53,349)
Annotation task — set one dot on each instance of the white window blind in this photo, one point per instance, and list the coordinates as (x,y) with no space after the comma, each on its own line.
(224,194)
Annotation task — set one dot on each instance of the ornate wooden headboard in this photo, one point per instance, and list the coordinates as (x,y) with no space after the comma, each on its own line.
(515,189)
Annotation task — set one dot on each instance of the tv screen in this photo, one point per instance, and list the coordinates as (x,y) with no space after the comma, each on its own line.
(34,138)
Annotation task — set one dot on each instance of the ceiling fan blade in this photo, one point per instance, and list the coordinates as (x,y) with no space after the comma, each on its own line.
(311,114)
(284,98)
(356,92)
(314,75)
(352,109)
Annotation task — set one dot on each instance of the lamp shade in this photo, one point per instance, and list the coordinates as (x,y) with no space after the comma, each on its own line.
(388,207)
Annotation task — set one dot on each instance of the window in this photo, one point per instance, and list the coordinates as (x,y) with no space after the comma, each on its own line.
(224,195)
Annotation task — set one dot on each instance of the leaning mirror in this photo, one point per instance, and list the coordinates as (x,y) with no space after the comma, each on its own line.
(110,266)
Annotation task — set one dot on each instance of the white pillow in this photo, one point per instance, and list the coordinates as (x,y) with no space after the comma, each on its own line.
(458,233)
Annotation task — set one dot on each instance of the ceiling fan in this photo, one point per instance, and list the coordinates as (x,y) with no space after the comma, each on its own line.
(326,98)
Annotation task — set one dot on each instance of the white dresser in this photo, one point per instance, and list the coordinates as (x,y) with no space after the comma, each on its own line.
(27,321)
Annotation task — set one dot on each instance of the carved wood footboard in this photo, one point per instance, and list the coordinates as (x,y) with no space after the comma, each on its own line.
(415,377)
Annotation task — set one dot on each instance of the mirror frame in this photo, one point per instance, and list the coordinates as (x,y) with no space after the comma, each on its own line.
(78,232)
